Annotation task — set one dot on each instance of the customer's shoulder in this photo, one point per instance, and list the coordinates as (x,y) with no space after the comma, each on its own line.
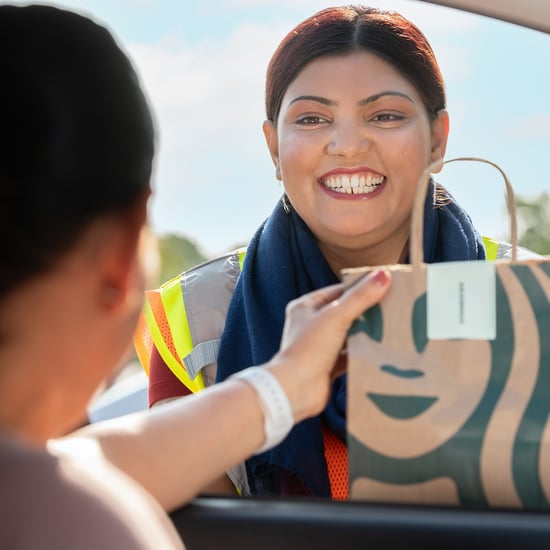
(74,505)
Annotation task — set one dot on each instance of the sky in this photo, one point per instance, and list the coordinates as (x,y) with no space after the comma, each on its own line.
(202,64)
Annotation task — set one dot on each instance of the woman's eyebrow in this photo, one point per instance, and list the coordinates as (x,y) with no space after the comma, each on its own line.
(376,97)
(362,102)
(318,99)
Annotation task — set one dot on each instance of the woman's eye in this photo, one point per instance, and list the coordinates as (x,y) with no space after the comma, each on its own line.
(310,120)
(387,117)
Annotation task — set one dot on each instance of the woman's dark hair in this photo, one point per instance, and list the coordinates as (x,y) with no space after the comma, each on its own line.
(346,29)
(76,135)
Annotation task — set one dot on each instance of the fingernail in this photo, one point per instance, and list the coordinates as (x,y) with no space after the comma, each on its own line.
(380,276)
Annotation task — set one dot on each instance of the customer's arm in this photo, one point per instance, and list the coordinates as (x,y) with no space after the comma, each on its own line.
(174,453)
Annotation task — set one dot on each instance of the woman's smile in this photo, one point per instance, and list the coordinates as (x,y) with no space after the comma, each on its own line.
(352,184)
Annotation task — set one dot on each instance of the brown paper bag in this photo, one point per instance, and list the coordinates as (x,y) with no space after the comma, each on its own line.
(452,420)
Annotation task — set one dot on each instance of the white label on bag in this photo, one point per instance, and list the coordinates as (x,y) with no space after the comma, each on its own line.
(461,300)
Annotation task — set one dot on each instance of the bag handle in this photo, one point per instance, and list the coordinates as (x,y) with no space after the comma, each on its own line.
(417,220)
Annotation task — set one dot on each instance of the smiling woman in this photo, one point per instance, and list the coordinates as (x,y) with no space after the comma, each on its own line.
(356,111)
(366,121)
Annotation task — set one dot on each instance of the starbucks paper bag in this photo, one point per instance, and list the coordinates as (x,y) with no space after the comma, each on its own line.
(449,383)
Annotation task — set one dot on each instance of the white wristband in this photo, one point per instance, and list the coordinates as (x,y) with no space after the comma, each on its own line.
(278,417)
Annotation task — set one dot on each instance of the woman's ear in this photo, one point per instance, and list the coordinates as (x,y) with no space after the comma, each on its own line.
(121,274)
(272,140)
(440,134)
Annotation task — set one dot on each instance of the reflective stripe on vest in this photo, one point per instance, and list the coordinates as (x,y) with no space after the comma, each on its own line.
(165,316)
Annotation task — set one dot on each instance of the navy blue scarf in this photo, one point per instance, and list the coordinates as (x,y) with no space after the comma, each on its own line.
(283,262)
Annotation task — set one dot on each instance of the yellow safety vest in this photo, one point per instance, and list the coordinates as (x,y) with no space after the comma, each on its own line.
(185,317)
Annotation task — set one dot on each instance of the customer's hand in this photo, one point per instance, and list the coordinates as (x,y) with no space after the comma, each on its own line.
(314,336)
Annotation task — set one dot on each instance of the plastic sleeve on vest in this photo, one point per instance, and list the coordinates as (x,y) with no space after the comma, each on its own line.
(203,354)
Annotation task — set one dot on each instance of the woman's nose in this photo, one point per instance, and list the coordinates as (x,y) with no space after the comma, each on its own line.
(347,140)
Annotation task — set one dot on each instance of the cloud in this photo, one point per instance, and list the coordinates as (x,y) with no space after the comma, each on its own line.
(534,126)
(215,86)
(208,98)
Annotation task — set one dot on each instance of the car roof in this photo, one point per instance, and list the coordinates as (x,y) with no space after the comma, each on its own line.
(534,14)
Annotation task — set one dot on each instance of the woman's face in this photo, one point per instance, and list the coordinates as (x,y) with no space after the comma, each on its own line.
(350,144)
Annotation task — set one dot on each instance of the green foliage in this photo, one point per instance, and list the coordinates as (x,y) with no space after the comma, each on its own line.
(177,254)
(534,222)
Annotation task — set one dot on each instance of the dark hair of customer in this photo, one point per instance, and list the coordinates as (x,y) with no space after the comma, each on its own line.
(77,139)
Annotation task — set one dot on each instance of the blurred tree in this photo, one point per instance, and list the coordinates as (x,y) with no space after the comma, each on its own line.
(177,254)
(534,222)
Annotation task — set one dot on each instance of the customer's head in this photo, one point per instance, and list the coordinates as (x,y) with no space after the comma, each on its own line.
(76,152)
(346,29)
(76,136)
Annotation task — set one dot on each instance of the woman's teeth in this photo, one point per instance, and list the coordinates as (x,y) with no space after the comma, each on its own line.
(356,184)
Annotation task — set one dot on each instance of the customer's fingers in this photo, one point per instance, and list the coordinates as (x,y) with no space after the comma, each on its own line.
(318,322)
(356,298)
(362,294)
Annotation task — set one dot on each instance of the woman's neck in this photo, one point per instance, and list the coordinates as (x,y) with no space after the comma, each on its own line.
(382,253)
